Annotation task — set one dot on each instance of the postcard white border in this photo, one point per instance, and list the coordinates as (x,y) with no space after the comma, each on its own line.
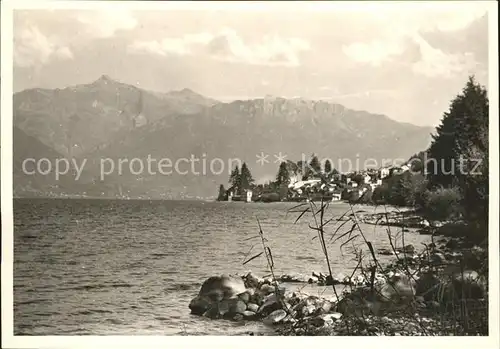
(10,341)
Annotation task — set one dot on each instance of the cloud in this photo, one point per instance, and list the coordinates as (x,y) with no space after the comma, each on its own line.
(434,62)
(228,46)
(171,46)
(32,47)
(105,23)
(63,53)
(375,52)
(381,93)
(272,50)
(459,19)
(473,38)
(406,42)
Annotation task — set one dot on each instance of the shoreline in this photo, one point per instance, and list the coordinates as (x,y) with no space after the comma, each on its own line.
(393,301)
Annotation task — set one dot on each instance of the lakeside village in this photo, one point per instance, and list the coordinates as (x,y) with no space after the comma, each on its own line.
(298,182)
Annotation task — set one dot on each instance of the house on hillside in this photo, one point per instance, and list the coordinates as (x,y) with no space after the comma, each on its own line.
(302,185)
(336,196)
(399,170)
(333,187)
(394,171)
(232,195)
(405,168)
(384,172)
(367,178)
(249,194)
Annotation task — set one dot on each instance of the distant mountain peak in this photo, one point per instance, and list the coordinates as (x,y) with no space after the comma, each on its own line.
(188,94)
(184,92)
(105,77)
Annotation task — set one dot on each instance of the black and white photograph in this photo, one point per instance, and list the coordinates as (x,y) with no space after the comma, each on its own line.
(265,169)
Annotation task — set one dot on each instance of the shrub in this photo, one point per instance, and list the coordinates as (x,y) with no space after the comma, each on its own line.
(367,197)
(346,194)
(381,194)
(269,197)
(442,204)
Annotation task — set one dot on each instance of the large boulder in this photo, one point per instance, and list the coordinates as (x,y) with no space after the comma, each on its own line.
(252,281)
(214,290)
(397,292)
(270,304)
(451,286)
(275,317)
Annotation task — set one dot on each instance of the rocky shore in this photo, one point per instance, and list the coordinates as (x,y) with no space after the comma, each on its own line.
(411,296)
(410,219)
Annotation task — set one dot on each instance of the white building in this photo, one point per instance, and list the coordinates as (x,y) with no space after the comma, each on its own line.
(249,195)
(301,184)
(384,172)
(405,168)
(367,179)
(336,197)
(332,187)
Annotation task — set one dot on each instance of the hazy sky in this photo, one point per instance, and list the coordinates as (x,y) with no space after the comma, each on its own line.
(405,62)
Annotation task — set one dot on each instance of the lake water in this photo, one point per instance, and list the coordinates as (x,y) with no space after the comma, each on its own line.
(131,267)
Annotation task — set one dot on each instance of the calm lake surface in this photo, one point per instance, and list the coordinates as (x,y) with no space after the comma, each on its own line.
(131,267)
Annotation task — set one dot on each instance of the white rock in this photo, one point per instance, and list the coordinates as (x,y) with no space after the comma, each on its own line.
(275,317)
(270,297)
(334,299)
(267,289)
(308,310)
(326,306)
(252,307)
(252,280)
(247,314)
(359,280)
(268,280)
(251,291)
(330,318)
(290,317)
(268,301)
(336,316)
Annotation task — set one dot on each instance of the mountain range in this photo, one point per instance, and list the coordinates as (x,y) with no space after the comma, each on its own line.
(106,121)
